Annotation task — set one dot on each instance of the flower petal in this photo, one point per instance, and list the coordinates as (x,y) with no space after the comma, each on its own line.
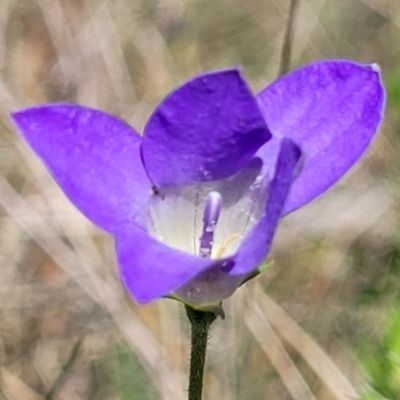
(212,285)
(93,156)
(257,243)
(150,269)
(332,110)
(206,130)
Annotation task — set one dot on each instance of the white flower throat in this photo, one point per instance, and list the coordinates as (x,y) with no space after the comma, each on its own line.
(209,219)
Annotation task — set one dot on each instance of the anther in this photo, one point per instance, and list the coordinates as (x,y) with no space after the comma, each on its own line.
(212,210)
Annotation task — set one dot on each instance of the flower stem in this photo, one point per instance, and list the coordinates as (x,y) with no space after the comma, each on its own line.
(200,322)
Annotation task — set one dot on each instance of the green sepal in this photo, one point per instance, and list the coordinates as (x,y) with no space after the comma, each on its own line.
(215,308)
(262,268)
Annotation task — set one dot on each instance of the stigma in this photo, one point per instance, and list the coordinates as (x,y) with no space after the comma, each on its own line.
(212,211)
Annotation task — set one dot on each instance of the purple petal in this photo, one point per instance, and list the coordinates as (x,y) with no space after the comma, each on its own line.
(93,156)
(150,269)
(206,130)
(332,110)
(257,243)
(212,285)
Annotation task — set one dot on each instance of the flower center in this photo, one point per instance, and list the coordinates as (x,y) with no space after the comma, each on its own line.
(211,214)
(209,219)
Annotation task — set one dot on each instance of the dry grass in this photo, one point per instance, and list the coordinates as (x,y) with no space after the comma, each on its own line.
(67,329)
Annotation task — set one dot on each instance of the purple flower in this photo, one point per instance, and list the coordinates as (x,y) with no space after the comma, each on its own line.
(195,202)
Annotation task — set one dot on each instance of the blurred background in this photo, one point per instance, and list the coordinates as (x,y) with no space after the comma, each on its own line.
(322,323)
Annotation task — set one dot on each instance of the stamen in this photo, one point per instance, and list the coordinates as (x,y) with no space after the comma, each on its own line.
(211,214)
(226,243)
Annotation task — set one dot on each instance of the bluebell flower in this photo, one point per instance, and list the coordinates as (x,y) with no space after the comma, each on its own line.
(194,203)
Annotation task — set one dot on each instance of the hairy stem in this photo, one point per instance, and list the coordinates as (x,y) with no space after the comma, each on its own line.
(288,39)
(200,322)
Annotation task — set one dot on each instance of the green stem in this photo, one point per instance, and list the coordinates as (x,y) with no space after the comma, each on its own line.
(200,322)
